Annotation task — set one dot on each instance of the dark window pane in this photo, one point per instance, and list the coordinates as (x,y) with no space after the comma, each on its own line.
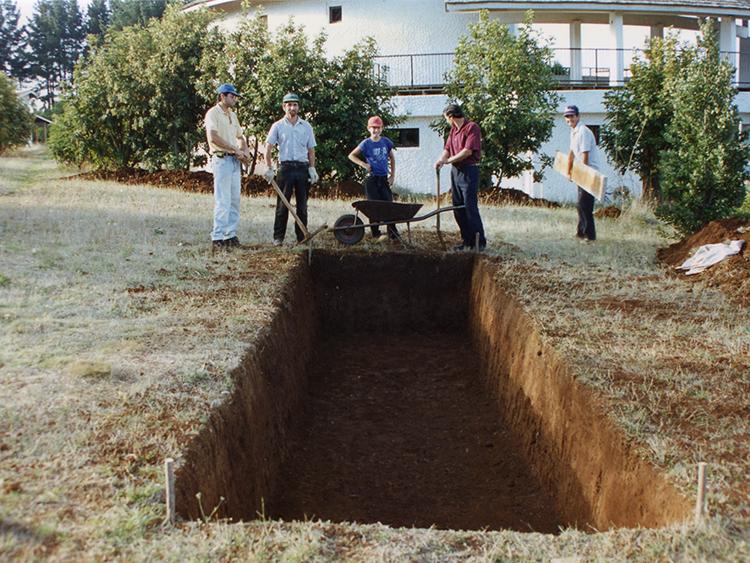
(595,131)
(334,14)
(405,137)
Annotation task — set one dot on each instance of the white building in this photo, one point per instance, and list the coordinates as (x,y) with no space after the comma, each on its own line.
(416,39)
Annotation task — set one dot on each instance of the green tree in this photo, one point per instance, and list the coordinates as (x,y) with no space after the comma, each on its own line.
(98,16)
(55,39)
(337,94)
(15,119)
(638,114)
(135,12)
(134,99)
(505,83)
(704,168)
(12,56)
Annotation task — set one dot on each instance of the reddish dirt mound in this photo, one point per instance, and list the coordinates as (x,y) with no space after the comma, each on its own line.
(733,274)
(509,196)
(610,212)
(202,182)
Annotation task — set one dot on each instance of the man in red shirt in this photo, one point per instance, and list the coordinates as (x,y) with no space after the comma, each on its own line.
(463,149)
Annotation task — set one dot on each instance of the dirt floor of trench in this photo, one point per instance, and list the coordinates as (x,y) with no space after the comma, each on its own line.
(398,429)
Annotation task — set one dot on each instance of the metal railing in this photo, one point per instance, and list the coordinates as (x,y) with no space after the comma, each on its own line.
(593,69)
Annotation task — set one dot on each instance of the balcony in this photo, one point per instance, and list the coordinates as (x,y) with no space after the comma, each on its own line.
(425,73)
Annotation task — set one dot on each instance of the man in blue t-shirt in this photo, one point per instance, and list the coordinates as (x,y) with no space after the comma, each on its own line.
(380,164)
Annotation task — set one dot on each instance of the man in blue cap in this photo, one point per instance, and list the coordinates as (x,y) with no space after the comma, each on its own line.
(228,148)
(583,147)
(296,141)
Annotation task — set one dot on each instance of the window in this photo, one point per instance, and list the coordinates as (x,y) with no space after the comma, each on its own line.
(334,14)
(404,138)
(264,20)
(595,131)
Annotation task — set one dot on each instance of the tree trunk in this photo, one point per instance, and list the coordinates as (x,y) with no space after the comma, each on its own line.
(651,190)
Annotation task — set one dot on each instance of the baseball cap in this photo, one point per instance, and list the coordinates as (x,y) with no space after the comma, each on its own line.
(375,121)
(570,110)
(227,89)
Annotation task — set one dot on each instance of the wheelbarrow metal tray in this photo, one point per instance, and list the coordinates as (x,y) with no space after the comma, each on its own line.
(377,211)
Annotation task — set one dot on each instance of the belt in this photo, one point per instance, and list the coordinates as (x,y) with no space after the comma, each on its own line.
(223,154)
(295,163)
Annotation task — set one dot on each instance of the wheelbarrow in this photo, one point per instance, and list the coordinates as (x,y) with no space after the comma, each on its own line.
(350,229)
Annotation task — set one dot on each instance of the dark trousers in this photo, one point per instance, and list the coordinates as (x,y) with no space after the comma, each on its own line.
(586,228)
(377,188)
(293,179)
(464,187)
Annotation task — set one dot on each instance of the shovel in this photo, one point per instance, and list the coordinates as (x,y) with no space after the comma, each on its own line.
(300,224)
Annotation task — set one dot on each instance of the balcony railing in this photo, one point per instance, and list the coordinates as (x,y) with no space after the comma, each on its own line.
(594,69)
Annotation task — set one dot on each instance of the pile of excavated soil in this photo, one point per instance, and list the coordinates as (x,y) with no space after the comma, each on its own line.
(202,182)
(398,429)
(509,196)
(732,275)
(609,212)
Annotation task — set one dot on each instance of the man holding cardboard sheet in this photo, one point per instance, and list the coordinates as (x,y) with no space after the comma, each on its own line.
(583,148)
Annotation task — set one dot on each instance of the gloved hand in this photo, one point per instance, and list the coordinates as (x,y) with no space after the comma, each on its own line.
(313,175)
(269,174)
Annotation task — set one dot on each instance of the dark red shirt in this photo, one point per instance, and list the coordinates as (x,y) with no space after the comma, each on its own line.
(467,137)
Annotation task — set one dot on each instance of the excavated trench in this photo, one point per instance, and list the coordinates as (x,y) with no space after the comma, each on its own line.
(413,390)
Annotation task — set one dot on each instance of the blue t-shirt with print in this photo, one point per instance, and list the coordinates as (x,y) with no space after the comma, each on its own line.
(376,154)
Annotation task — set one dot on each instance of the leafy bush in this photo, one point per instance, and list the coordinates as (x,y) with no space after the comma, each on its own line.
(634,134)
(505,84)
(704,167)
(15,119)
(338,94)
(134,100)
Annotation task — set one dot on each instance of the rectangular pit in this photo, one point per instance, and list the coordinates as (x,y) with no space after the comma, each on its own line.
(413,390)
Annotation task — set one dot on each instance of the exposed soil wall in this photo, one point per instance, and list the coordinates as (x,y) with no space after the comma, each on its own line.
(580,457)
(238,452)
(334,361)
(395,292)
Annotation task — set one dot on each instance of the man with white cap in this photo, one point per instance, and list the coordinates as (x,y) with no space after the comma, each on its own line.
(228,147)
(296,141)
(583,147)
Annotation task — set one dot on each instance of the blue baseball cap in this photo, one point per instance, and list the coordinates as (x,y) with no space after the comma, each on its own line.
(227,89)
(570,110)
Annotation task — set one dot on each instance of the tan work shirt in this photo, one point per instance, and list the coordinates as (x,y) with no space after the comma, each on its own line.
(226,125)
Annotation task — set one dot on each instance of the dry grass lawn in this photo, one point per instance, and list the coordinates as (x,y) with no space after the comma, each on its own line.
(118,328)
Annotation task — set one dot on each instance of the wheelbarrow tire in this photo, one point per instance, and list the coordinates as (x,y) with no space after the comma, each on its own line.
(348,229)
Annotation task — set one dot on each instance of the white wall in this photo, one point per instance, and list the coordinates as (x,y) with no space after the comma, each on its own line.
(399,26)
(423,26)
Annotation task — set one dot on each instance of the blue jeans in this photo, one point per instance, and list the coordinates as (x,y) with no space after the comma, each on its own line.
(464,187)
(227,172)
(377,188)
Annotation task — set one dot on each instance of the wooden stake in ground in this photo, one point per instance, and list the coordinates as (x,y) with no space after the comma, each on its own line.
(170,496)
(700,499)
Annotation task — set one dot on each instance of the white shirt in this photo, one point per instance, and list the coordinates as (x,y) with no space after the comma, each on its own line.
(293,140)
(582,140)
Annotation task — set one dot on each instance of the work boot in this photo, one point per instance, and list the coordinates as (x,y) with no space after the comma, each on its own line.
(218,245)
(234,241)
